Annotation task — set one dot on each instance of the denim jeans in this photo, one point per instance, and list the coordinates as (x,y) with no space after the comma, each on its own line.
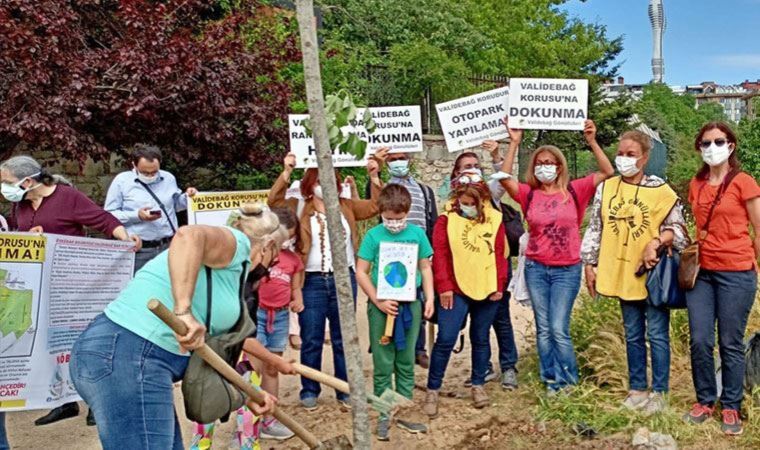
(643,321)
(4,445)
(143,256)
(505,335)
(419,348)
(482,314)
(128,383)
(552,293)
(320,300)
(725,297)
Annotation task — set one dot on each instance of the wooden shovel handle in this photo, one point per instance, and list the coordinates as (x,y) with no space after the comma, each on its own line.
(323,378)
(388,334)
(230,374)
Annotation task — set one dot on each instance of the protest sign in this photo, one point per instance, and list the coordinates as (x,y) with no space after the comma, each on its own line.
(397,272)
(548,104)
(398,128)
(213,208)
(51,287)
(469,121)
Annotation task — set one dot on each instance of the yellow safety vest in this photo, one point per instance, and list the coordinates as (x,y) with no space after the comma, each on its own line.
(631,217)
(473,250)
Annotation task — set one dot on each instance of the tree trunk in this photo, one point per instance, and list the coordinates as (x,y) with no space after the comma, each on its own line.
(353,354)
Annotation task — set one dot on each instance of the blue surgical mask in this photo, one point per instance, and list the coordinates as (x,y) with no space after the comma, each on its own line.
(399,168)
(13,192)
(469,212)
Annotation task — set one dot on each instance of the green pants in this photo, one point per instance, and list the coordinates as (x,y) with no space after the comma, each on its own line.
(386,359)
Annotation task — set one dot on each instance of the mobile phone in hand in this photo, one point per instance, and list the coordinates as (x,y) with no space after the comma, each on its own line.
(155,213)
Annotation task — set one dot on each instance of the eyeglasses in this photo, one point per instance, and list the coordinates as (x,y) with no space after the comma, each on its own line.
(720,142)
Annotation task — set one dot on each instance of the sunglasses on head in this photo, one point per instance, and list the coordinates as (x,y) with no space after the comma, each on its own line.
(469,179)
(720,142)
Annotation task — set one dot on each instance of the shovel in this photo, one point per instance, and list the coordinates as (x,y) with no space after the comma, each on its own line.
(233,377)
(388,403)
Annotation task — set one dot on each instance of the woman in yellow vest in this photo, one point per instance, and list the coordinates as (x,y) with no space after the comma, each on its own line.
(632,216)
(554,207)
(470,267)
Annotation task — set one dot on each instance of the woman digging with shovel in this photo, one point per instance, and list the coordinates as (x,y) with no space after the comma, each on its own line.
(125,363)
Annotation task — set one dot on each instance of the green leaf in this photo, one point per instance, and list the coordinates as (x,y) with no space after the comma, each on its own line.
(371,126)
(351,113)
(341,119)
(367,115)
(354,146)
(333,132)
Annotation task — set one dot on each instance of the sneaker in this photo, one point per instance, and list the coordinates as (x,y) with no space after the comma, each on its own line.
(490,376)
(699,414)
(509,380)
(345,403)
(91,418)
(422,360)
(309,403)
(430,407)
(273,429)
(479,397)
(732,423)
(383,429)
(636,400)
(655,404)
(412,427)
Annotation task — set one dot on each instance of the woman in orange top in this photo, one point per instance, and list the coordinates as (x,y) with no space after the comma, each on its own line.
(724,201)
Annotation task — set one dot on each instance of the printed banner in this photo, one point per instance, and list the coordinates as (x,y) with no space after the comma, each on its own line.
(213,208)
(398,128)
(548,104)
(51,287)
(469,121)
(397,272)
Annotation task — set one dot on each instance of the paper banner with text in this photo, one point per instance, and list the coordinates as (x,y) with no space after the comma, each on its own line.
(548,104)
(467,122)
(213,208)
(397,272)
(398,127)
(51,287)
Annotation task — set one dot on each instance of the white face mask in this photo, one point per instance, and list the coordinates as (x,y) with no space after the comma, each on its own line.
(469,211)
(394,226)
(13,192)
(546,173)
(626,165)
(714,155)
(145,178)
(318,192)
(290,244)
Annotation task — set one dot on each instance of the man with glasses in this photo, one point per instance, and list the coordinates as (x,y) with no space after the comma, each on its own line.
(146,200)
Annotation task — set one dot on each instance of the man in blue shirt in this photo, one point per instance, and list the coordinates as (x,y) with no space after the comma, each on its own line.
(146,200)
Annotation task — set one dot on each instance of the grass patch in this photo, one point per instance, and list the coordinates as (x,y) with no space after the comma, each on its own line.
(597,331)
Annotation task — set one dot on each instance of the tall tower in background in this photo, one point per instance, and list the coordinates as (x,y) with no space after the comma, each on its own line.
(657,19)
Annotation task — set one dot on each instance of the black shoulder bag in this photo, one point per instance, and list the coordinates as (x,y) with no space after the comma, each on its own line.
(160,205)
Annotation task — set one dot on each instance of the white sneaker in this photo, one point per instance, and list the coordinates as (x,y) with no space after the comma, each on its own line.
(655,404)
(273,429)
(636,401)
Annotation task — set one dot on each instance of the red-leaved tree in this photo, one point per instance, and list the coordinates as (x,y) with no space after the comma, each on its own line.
(89,77)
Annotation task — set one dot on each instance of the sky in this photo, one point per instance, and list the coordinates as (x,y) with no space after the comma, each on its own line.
(705,40)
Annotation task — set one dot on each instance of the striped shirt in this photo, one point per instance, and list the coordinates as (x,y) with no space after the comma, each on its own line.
(417,214)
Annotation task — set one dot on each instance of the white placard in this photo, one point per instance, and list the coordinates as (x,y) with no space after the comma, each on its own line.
(214,208)
(467,122)
(548,103)
(51,287)
(397,272)
(398,127)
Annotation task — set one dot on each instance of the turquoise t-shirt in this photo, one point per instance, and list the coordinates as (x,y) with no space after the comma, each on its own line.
(130,308)
(412,234)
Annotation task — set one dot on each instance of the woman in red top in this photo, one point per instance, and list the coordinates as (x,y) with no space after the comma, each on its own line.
(727,280)
(470,268)
(47,203)
(554,207)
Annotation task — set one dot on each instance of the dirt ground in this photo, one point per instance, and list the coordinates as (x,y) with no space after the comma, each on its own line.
(507,423)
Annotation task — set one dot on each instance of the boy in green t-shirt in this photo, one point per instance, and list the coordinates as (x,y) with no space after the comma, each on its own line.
(397,357)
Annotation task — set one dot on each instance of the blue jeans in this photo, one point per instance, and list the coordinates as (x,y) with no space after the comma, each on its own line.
(128,383)
(505,335)
(552,293)
(277,339)
(482,314)
(419,349)
(725,297)
(4,445)
(640,318)
(320,300)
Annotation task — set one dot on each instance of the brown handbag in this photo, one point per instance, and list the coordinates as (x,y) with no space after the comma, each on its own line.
(689,266)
